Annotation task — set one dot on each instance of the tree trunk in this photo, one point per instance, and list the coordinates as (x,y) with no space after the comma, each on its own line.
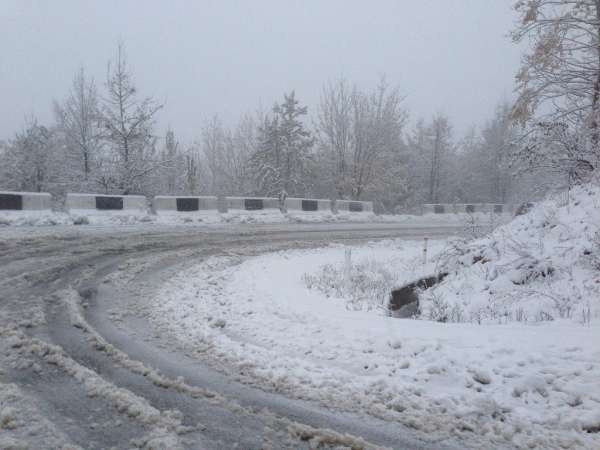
(596,95)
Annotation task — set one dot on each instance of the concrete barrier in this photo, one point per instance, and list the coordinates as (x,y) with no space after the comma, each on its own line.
(307,204)
(437,208)
(464,208)
(251,203)
(496,208)
(106,203)
(353,206)
(25,201)
(164,204)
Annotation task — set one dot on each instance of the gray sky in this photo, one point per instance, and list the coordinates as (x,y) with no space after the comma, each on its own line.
(229,57)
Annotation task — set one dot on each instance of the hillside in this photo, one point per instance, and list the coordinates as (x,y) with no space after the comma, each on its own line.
(542,266)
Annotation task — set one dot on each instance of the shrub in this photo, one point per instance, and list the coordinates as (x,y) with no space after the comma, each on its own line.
(367,289)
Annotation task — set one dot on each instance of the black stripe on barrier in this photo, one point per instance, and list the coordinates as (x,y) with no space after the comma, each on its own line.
(11,201)
(253,204)
(355,207)
(188,204)
(109,202)
(438,209)
(470,208)
(310,205)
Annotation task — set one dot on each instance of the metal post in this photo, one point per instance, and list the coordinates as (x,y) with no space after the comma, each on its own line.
(425,250)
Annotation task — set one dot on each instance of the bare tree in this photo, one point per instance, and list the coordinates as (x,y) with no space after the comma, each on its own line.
(335,133)
(360,138)
(128,124)
(242,148)
(78,122)
(498,145)
(213,144)
(560,77)
(431,152)
(440,145)
(560,150)
(192,172)
(171,158)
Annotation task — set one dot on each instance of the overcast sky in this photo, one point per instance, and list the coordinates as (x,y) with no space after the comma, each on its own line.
(227,57)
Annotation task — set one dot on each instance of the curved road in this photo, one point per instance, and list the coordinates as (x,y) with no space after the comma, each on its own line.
(46,274)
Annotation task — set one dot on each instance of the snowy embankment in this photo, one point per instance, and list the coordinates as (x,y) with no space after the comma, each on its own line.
(543,266)
(497,381)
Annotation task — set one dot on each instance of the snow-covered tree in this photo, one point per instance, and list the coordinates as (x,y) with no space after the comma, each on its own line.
(78,120)
(214,144)
(192,172)
(242,148)
(171,157)
(439,147)
(360,141)
(430,147)
(480,169)
(226,155)
(128,123)
(559,149)
(498,144)
(29,162)
(283,156)
(559,80)
(335,136)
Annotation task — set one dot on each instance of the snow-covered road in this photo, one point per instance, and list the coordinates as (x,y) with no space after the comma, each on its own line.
(80,365)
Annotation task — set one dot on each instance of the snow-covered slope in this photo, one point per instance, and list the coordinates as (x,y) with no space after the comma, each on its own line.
(542,266)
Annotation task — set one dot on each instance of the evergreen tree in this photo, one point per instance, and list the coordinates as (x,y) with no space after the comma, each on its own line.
(283,158)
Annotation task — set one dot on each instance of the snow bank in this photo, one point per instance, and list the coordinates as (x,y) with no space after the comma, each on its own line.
(542,266)
(116,218)
(33,218)
(488,385)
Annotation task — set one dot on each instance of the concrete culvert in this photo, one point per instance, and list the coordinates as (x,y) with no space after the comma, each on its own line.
(404,301)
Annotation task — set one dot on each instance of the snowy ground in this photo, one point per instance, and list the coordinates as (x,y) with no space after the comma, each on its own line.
(119,218)
(513,385)
(489,381)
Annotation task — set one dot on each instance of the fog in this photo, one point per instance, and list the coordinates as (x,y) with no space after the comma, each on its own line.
(230,57)
(299,224)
